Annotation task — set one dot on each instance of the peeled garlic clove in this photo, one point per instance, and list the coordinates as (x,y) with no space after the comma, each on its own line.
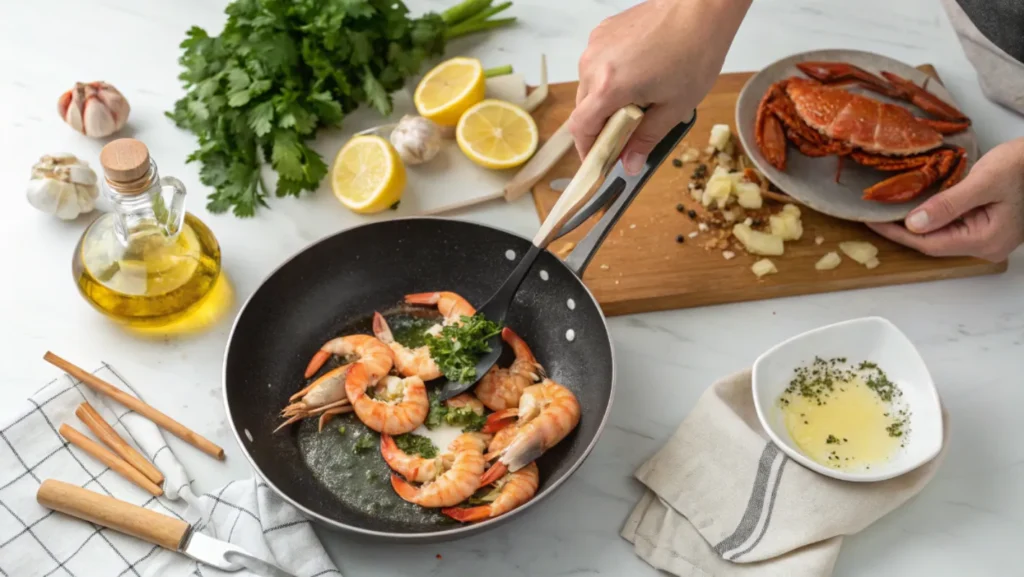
(62,185)
(95,109)
(417,139)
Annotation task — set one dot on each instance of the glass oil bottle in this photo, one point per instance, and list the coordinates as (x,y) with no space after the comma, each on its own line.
(146,263)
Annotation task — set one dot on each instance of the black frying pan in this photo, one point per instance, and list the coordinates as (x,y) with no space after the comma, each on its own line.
(334,286)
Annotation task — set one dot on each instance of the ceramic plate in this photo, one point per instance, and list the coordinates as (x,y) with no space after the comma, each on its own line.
(812,180)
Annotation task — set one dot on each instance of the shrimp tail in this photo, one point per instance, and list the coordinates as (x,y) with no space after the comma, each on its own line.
(468,514)
(316,362)
(522,452)
(519,346)
(381,329)
(496,472)
(423,298)
(404,489)
(499,420)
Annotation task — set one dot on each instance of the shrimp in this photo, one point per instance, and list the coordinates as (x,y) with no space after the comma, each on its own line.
(500,389)
(400,405)
(324,396)
(457,483)
(409,362)
(466,400)
(513,490)
(413,467)
(502,438)
(373,354)
(547,413)
(451,306)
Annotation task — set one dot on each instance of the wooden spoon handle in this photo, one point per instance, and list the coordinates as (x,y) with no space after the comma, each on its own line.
(112,513)
(595,167)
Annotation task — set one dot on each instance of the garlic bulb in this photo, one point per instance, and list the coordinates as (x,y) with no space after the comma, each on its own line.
(416,139)
(95,109)
(63,185)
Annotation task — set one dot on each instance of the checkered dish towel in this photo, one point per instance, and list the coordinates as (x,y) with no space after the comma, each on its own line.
(35,541)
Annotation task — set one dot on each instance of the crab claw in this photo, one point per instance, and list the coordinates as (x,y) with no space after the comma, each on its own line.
(842,73)
(947,164)
(768,133)
(928,102)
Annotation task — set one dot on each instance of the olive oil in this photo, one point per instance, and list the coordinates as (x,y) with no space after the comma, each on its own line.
(147,263)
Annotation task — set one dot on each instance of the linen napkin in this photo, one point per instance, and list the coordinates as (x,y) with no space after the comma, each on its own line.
(1000,75)
(35,541)
(723,500)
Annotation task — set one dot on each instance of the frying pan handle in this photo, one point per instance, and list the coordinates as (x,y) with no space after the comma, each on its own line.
(629,186)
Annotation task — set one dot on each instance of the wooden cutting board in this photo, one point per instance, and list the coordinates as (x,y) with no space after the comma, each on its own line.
(641,267)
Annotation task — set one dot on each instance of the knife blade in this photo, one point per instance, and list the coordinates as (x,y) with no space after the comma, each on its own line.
(156,528)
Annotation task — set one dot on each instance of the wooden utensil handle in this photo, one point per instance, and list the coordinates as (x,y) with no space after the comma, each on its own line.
(602,156)
(112,513)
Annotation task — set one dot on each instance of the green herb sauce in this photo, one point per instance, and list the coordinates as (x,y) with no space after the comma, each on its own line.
(360,479)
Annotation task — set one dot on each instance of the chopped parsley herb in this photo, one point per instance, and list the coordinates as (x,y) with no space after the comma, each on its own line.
(832,440)
(364,443)
(412,444)
(458,347)
(464,417)
(341,429)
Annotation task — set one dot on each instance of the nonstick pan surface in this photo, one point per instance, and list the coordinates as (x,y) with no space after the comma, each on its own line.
(340,281)
(334,286)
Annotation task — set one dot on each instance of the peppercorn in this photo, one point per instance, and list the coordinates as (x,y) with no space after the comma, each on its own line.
(680,239)
(692,213)
(677,163)
(680,207)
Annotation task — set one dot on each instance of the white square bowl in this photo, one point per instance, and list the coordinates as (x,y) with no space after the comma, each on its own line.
(872,339)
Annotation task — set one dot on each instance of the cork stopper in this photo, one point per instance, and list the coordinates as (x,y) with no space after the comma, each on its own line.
(125,162)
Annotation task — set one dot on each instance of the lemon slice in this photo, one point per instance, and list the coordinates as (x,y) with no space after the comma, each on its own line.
(368,176)
(497,134)
(449,89)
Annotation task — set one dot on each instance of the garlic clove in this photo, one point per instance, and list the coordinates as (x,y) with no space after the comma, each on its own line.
(417,139)
(62,185)
(95,109)
(43,195)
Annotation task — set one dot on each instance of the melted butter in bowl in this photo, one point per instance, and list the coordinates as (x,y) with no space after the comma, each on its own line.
(852,400)
(849,418)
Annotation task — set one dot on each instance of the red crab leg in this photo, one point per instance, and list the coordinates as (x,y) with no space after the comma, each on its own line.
(946,126)
(841,73)
(958,171)
(768,129)
(890,163)
(908,185)
(926,100)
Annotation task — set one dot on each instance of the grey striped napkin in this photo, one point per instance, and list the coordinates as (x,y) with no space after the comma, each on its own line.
(722,500)
(38,542)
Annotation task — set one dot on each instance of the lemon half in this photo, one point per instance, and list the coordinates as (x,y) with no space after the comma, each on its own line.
(368,175)
(449,89)
(497,134)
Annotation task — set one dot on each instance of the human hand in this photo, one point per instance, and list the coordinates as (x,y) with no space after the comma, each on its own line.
(981,216)
(664,54)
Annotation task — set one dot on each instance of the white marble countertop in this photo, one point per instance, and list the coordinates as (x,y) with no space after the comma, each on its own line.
(968,521)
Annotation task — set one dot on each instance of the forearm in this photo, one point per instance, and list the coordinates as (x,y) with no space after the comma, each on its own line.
(713,22)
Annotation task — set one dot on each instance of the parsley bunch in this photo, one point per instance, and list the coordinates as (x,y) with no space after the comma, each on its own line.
(282,69)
